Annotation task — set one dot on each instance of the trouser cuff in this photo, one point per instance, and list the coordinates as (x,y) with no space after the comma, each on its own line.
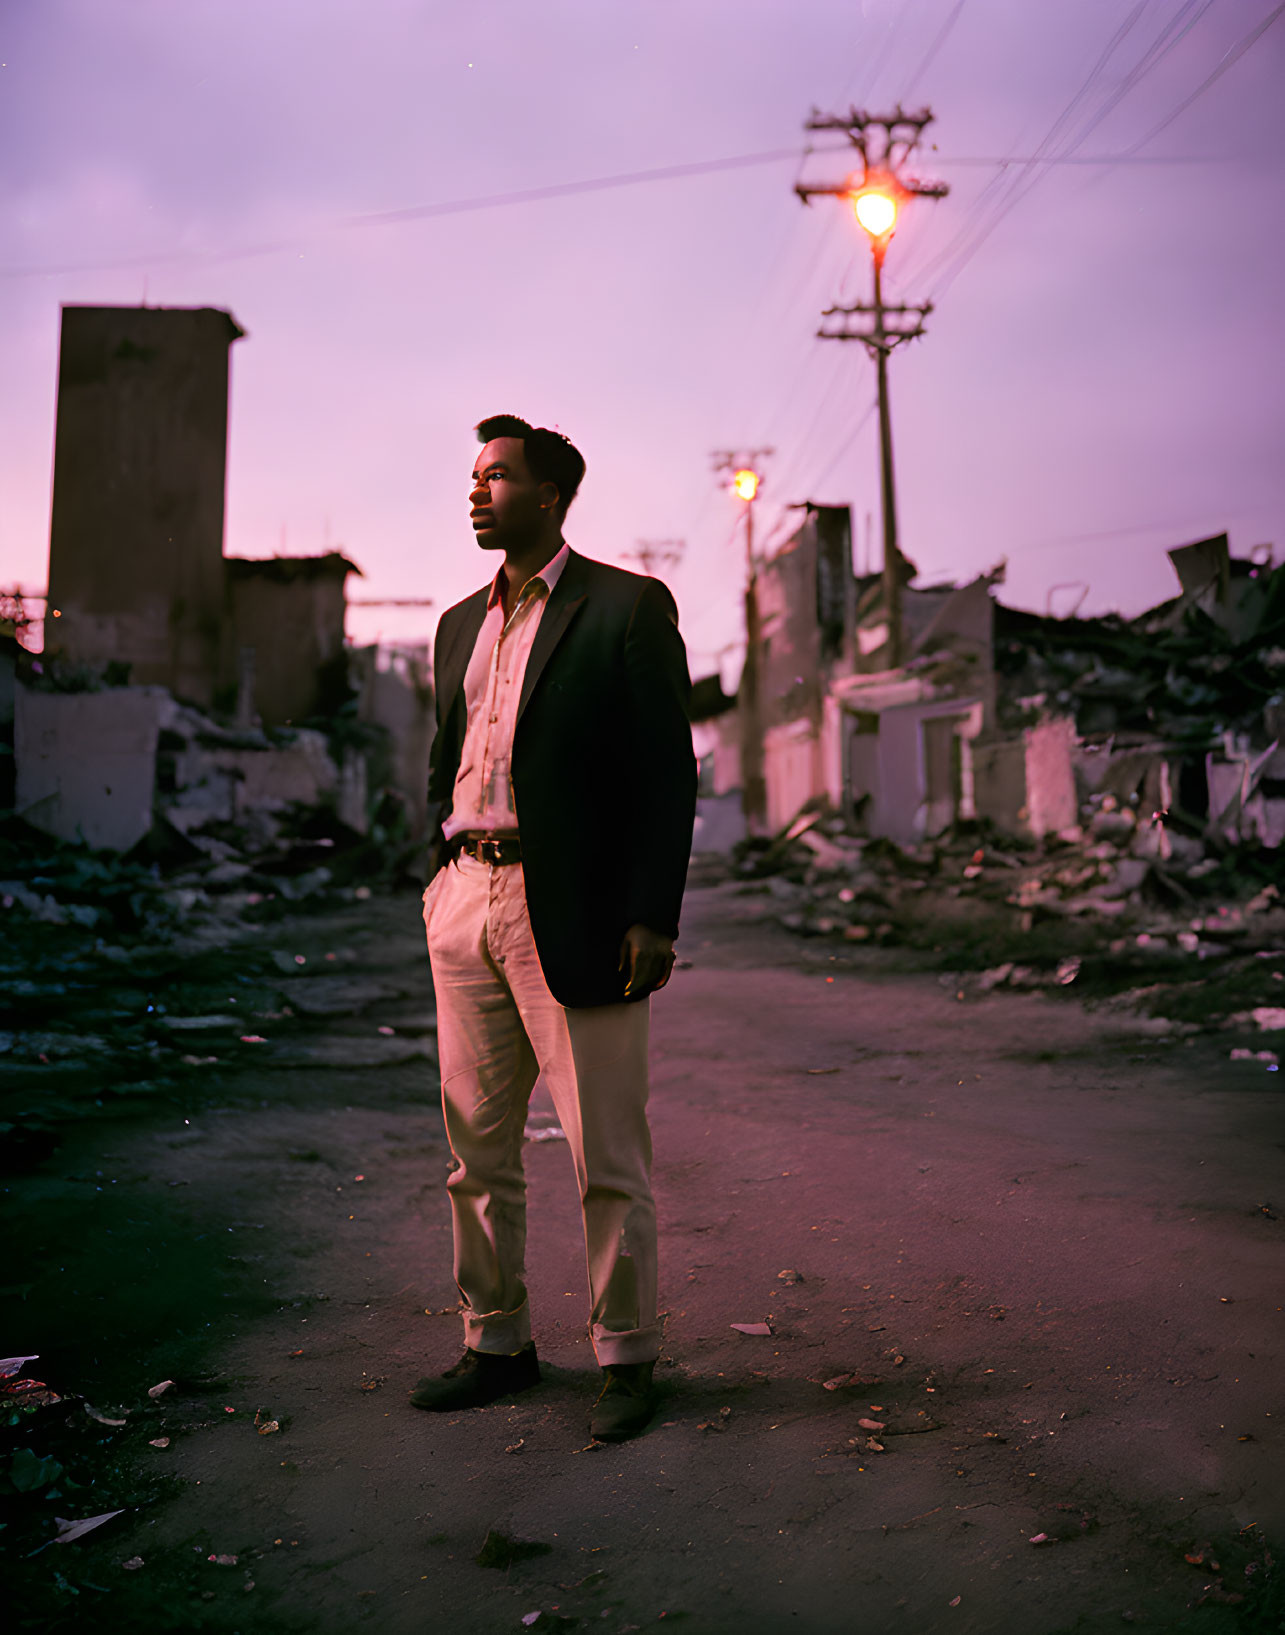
(502,1333)
(634,1345)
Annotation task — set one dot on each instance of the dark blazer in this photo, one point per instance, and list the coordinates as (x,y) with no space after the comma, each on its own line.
(604,777)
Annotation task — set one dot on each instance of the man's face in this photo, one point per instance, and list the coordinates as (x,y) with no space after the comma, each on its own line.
(508,506)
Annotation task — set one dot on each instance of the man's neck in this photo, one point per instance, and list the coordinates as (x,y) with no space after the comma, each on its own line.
(519,566)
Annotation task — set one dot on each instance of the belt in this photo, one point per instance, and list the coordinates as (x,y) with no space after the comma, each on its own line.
(496,849)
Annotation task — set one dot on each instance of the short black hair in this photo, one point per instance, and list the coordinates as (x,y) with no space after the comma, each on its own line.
(550,457)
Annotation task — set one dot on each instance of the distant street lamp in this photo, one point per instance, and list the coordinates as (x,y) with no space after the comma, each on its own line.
(745,480)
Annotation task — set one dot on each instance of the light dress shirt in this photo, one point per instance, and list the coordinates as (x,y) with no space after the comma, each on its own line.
(483,795)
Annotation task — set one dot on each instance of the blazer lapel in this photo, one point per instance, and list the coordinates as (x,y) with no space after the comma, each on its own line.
(565,602)
(454,662)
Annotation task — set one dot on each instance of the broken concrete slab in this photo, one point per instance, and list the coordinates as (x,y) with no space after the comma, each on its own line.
(338,995)
(86,763)
(342,1050)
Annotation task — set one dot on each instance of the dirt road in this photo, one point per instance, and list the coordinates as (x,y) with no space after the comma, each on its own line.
(1045,1245)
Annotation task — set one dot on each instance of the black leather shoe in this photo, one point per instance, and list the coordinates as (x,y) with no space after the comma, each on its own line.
(478,1378)
(626,1404)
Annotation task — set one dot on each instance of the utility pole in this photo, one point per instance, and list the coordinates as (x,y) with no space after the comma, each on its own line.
(877,193)
(745,482)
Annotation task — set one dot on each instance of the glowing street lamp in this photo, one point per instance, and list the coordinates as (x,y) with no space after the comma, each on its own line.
(876,210)
(876,194)
(737,468)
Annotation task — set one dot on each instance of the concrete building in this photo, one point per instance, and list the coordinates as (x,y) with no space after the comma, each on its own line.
(889,749)
(395,694)
(283,659)
(807,601)
(136,575)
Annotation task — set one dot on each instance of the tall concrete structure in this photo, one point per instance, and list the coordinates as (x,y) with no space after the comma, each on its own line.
(136,571)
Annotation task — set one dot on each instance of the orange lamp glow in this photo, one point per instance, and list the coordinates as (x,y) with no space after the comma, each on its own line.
(745,484)
(876,212)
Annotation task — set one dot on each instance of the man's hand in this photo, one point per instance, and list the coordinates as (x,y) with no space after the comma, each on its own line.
(647,958)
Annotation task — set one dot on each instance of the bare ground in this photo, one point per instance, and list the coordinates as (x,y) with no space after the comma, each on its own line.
(1038,1235)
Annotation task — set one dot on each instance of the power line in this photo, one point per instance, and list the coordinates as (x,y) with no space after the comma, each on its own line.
(846,445)
(974,230)
(560,190)
(1126,158)
(1176,29)
(453,207)
(421,212)
(870,78)
(1230,58)
(1105,536)
(930,56)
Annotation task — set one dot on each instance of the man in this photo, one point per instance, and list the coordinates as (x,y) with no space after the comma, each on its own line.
(562,791)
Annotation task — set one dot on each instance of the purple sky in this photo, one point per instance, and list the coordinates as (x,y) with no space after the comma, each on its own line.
(1102,378)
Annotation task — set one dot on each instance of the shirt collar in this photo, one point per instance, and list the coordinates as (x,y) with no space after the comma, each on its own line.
(551,572)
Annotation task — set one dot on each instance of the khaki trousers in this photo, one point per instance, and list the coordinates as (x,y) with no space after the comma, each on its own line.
(498,1028)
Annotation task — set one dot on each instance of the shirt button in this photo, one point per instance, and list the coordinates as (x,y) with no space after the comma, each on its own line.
(495,718)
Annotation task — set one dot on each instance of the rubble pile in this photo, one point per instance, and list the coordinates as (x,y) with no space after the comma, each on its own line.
(1191,670)
(1104,907)
(198,885)
(123,977)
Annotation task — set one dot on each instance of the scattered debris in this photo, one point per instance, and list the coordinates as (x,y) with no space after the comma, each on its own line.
(28,1393)
(546,1132)
(753,1328)
(161,1389)
(159,1442)
(789,1276)
(347,1051)
(187,1024)
(102,1419)
(70,1531)
(133,1564)
(338,995)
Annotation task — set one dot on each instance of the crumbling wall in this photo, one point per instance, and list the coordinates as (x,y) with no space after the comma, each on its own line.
(86,763)
(285,636)
(1051,801)
(394,692)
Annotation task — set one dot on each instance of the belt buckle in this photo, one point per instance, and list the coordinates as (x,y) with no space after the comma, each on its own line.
(488,851)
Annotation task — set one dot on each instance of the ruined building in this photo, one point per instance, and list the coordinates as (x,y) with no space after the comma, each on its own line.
(177,679)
